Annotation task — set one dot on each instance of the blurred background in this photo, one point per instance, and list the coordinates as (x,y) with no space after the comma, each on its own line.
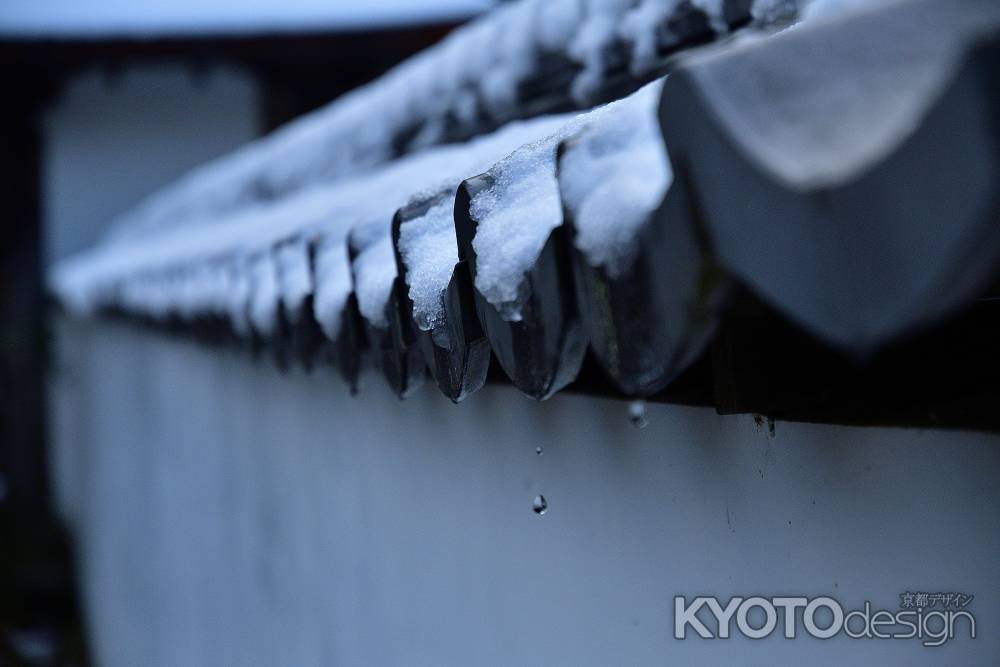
(106,101)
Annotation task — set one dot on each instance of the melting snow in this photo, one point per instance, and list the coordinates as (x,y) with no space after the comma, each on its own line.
(478,67)
(333,285)
(163,269)
(374,272)
(515,217)
(294,278)
(591,42)
(264,296)
(613,176)
(517,213)
(319,179)
(429,252)
(374,267)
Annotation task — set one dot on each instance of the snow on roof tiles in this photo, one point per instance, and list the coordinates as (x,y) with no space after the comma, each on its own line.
(429,253)
(613,176)
(481,75)
(563,237)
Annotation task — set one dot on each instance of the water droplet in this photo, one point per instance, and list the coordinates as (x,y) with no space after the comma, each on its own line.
(539,505)
(637,414)
(538,450)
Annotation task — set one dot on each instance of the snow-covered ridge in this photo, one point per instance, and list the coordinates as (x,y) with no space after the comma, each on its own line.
(319,179)
(478,72)
(302,192)
(248,266)
(615,173)
(264,247)
(444,167)
(651,267)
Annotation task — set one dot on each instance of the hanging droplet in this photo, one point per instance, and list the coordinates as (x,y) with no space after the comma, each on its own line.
(637,414)
(538,450)
(539,505)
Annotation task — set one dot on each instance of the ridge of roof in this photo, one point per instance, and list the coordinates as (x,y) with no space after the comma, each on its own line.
(904,239)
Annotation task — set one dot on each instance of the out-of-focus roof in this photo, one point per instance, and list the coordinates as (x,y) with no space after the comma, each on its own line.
(159,18)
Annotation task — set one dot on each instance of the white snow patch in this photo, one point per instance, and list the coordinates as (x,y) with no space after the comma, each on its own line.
(294,278)
(239,300)
(478,68)
(590,44)
(514,52)
(374,268)
(772,11)
(263,309)
(333,285)
(429,252)
(516,215)
(613,176)
(825,9)
(639,28)
(374,272)
(556,21)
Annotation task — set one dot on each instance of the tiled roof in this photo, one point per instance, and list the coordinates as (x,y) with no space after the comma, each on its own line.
(845,172)
(524,59)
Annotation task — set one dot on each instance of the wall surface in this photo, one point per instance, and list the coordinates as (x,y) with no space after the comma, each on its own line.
(110,139)
(231,515)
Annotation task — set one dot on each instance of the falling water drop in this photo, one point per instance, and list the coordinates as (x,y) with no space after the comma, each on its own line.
(637,414)
(539,505)
(538,450)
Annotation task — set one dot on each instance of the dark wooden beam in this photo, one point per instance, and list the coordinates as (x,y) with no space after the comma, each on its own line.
(297,72)
(22,330)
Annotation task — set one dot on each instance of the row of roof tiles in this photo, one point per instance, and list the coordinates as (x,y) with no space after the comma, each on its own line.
(526,58)
(847,171)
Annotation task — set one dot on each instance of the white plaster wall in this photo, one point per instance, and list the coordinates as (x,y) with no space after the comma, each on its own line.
(229,515)
(111,139)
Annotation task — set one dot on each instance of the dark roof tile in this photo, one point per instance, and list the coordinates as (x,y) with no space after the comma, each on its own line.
(826,159)
(542,351)
(455,348)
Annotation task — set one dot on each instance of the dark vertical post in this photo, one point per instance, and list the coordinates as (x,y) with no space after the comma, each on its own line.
(22,324)
(37,579)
